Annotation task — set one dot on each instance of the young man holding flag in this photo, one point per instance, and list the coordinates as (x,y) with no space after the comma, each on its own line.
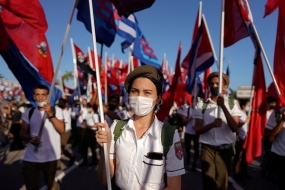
(217,135)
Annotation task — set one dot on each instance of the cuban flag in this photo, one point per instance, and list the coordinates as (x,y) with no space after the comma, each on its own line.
(106,19)
(129,30)
(238,22)
(199,59)
(24,46)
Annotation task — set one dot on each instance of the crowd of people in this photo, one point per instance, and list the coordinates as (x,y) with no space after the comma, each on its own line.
(144,153)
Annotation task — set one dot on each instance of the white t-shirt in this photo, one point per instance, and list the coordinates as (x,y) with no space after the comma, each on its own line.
(217,135)
(81,117)
(188,112)
(67,119)
(242,131)
(134,170)
(278,144)
(91,119)
(49,149)
(268,114)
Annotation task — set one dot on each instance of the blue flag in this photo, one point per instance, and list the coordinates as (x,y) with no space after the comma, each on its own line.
(105,18)
(129,30)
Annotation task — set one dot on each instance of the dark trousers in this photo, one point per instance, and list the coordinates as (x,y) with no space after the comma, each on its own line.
(215,167)
(240,165)
(31,173)
(279,169)
(187,141)
(89,141)
(17,142)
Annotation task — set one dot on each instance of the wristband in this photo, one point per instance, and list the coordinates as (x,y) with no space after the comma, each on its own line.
(52,116)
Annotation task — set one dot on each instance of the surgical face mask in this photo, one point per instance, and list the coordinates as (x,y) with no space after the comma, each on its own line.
(13,109)
(246,108)
(214,90)
(141,106)
(41,104)
(272,107)
(112,107)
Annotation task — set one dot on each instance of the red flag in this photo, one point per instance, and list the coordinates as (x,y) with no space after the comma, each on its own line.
(253,142)
(279,55)
(181,96)
(135,62)
(235,28)
(168,97)
(270,6)
(206,85)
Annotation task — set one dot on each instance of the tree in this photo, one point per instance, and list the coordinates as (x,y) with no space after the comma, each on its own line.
(68,75)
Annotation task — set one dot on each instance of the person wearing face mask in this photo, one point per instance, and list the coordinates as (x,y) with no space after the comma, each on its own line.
(92,119)
(266,164)
(65,150)
(45,159)
(136,156)
(240,165)
(217,135)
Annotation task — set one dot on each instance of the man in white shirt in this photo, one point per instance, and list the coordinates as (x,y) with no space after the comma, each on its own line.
(63,104)
(276,133)
(92,119)
(217,135)
(46,157)
(190,135)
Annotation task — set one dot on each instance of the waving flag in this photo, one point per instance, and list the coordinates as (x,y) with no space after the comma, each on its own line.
(270,6)
(201,57)
(168,96)
(253,141)
(27,54)
(105,17)
(238,22)
(129,29)
(279,55)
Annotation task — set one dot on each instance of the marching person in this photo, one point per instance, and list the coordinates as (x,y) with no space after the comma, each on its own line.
(138,155)
(63,104)
(276,132)
(240,165)
(46,157)
(190,135)
(217,135)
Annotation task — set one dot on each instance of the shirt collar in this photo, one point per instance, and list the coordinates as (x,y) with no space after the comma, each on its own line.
(154,129)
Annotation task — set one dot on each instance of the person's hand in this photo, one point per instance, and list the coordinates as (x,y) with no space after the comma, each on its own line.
(35,140)
(48,109)
(103,135)
(220,101)
(218,122)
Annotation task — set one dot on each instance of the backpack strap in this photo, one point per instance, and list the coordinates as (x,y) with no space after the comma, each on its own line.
(167,134)
(205,104)
(119,127)
(231,102)
(31,113)
(29,116)
(278,115)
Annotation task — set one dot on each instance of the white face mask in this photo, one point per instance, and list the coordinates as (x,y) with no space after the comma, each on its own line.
(41,104)
(140,105)
(246,108)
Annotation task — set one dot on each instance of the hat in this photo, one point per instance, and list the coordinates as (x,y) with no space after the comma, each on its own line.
(216,74)
(147,71)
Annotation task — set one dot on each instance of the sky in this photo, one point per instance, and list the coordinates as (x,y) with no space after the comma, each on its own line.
(164,25)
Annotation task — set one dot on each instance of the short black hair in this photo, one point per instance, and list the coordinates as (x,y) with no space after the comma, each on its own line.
(114,96)
(41,86)
(271,99)
(63,100)
(243,102)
